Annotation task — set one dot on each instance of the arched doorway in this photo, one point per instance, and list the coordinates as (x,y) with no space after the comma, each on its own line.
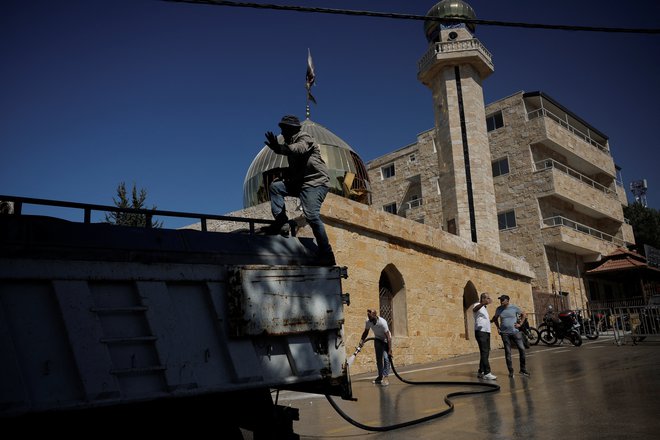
(392,300)
(470,296)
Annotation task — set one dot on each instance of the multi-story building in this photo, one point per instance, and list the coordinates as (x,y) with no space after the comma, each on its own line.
(558,193)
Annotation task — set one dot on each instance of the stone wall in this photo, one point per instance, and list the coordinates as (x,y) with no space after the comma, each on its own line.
(440,273)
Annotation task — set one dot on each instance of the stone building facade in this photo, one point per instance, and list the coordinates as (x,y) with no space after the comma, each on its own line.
(559,200)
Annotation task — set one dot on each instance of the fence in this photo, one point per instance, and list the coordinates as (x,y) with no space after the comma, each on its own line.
(623,323)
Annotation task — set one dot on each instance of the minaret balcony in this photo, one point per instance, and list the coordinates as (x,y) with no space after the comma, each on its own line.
(451,53)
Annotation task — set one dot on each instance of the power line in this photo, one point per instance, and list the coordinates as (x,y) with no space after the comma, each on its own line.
(421,17)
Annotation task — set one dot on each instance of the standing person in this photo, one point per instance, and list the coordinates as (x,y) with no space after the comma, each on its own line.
(382,345)
(307,178)
(482,335)
(506,321)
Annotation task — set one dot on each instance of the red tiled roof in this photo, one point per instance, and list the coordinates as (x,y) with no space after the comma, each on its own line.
(617,264)
(622,259)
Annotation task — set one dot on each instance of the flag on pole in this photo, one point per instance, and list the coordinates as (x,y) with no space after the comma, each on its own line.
(310,77)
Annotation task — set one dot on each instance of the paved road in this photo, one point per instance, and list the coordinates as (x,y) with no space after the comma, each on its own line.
(596,391)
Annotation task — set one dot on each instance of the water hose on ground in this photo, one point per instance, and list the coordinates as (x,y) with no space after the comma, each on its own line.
(490,388)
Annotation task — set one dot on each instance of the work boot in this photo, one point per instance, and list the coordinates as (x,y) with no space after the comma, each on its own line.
(280,227)
(326,259)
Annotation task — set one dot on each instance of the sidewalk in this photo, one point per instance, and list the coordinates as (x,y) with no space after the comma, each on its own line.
(599,390)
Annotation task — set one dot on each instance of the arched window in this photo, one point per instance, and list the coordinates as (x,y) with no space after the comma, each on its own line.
(470,296)
(392,300)
(385,304)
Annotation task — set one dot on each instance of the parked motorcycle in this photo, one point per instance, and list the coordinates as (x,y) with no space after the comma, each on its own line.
(566,326)
(588,327)
(529,332)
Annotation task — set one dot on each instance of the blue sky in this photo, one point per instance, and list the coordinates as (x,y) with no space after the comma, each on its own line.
(176,97)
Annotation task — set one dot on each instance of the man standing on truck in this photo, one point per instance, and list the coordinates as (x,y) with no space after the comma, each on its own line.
(382,345)
(306,178)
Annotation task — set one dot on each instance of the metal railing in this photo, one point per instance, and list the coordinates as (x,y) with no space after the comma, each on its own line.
(453,46)
(563,221)
(618,322)
(551,163)
(585,137)
(414,203)
(636,323)
(148,213)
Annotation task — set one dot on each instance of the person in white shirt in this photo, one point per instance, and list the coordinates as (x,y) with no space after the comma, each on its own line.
(482,335)
(382,345)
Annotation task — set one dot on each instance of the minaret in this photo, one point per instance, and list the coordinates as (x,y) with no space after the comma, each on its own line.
(454,67)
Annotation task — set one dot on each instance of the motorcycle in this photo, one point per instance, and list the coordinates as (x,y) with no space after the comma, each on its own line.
(588,327)
(529,332)
(566,326)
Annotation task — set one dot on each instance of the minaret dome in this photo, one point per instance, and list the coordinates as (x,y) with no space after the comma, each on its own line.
(447,9)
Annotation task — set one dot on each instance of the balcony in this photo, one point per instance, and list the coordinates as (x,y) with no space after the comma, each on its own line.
(627,232)
(585,194)
(469,51)
(578,147)
(569,236)
(567,126)
(621,192)
(414,203)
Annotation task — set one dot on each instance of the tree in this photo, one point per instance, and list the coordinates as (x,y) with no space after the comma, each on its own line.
(137,202)
(646,225)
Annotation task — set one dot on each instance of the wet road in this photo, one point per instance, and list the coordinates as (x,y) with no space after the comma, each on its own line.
(596,391)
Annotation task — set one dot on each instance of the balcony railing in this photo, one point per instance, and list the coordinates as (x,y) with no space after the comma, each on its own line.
(551,163)
(563,221)
(585,137)
(453,46)
(414,203)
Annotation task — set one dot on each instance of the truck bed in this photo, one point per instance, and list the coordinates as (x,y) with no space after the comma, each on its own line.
(99,315)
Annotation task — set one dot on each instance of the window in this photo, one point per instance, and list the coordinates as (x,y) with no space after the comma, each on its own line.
(415,201)
(494,121)
(451,226)
(501,166)
(391,208)
(387,171)
(412,158)
(506,220)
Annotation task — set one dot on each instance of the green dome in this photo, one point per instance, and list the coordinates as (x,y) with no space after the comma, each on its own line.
(337,154)
(447,9)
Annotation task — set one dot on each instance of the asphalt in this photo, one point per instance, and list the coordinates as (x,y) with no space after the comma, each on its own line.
(600,390)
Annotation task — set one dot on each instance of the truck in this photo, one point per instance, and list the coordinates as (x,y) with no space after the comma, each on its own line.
(128,327)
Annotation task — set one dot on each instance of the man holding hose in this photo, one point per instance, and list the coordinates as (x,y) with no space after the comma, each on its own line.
(382,345)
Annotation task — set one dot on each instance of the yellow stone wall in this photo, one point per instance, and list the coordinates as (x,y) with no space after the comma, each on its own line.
(435,267)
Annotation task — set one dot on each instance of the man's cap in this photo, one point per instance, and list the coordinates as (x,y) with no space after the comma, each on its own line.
(290,120)
(503,297)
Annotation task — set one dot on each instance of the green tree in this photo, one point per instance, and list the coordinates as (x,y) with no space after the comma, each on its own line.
(646,225)
(137,202)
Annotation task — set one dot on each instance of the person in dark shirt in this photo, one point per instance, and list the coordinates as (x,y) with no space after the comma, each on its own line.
(306,178)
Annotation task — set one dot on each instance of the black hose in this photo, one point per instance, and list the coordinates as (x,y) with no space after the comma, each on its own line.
(491,388)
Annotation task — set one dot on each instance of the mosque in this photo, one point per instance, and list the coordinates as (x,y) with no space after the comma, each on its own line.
(420,229)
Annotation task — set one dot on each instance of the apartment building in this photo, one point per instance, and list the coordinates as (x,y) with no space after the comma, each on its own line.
(558,194)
